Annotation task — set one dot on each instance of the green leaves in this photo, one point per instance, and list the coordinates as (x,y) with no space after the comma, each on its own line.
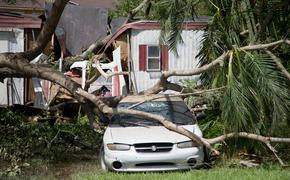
(272,88)
(171,13)
(257,95)
(123,8)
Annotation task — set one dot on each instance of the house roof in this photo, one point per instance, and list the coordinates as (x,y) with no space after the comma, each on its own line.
(147,25)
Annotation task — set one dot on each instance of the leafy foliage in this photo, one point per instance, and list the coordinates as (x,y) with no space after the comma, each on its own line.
(23,141)
(257,94)
(123,8)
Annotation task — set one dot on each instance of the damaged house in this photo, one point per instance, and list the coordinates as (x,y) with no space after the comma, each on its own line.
(145,58)
(82,23)
(134,48)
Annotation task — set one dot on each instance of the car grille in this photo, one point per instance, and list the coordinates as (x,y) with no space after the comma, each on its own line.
(155,164)
(153,147)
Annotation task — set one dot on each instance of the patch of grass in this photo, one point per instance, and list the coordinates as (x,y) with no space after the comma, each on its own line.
(41,169)
(216,174)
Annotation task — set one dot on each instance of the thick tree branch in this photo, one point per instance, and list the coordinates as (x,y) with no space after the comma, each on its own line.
(195,71)
(266,140)
(47,30)
(17,63)
(246,135)
(9,73)
(221,59)
(161,83)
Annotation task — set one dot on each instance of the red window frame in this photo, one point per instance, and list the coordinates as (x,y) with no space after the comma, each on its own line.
(143,57)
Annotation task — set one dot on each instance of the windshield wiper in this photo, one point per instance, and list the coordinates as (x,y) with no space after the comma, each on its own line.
(133,123)
(179,123)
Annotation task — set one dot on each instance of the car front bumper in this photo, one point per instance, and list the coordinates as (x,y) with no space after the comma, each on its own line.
(132,161)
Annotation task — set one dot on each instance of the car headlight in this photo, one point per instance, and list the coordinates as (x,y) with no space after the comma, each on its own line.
(186,144)
(118,147)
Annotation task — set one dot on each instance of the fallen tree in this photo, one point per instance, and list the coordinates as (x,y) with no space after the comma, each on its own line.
(18,65)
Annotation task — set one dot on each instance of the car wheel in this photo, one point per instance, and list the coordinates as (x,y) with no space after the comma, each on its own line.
(205,155)
(206,158)
(102,163)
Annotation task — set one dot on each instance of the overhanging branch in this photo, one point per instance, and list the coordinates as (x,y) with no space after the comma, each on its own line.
(161,83)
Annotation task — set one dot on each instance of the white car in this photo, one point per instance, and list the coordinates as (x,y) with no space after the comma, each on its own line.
(133,143)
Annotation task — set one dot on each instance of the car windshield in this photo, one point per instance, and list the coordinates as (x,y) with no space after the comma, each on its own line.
(174,111)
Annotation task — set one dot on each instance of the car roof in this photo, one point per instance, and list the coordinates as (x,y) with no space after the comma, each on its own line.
(157,97)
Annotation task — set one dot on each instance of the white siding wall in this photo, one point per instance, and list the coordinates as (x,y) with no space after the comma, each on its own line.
(186,51)
(12,41)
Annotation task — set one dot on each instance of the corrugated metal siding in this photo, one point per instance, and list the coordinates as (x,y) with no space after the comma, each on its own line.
(185,59)
(12,42)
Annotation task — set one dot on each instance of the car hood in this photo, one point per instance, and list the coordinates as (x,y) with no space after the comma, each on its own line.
(133,135)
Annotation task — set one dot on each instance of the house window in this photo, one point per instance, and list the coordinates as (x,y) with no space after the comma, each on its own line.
(153,58)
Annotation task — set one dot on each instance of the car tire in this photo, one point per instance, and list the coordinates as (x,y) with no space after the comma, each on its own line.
(205,154)
(206,158)
(102,163)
